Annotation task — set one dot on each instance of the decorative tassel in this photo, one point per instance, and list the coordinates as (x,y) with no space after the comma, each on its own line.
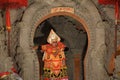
(8,23)
(116,12)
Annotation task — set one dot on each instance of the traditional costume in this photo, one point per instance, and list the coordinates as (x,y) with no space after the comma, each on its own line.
(54,59)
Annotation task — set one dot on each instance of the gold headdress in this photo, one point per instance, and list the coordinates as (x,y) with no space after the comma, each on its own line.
(53,37)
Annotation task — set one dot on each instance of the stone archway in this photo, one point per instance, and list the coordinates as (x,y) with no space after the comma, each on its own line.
(67,14)
(76,54)
(37,13)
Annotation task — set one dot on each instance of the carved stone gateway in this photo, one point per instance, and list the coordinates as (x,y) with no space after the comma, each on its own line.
(87,16)
(96,36)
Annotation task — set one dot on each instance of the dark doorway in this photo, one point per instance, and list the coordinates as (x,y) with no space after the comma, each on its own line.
(73,35)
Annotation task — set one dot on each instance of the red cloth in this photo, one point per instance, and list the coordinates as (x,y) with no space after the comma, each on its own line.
(117,10)
(112,2)
(8,22)
(8,4)
(14,70)
(7,73)
(106,2)
(4,73)
(12,3)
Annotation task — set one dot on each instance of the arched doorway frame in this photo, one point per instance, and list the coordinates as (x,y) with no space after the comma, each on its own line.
(31,20)
(74,17)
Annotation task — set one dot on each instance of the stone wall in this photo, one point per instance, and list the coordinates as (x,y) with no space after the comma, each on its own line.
(5,61)
(24,21)
(36,12)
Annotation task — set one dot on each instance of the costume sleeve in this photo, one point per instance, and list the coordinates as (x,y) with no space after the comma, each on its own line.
(61,45)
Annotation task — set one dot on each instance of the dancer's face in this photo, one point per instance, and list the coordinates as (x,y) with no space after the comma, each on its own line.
(54,44)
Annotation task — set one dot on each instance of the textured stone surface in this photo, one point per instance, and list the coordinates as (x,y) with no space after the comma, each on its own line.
(99,20)
(82,12)
(5,61)
(117,67)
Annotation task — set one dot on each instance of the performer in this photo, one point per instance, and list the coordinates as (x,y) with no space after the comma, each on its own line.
(54,58)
